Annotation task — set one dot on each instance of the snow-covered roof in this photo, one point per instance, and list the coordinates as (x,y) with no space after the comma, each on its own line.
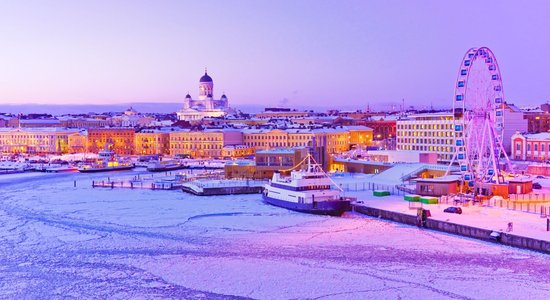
(39,121)
(358,127)
(276,151)
(537,136)
(41,129)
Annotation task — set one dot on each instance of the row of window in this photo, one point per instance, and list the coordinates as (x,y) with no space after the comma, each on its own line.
(196,139)
(425,133)
(425,126)
(424,148)
(424,141)
(196,146)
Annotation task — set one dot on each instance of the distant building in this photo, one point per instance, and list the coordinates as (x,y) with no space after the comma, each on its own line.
(35,123)
(383,127)
(282,114)
(81,122)
(513,121)
(205,106)
(538,120)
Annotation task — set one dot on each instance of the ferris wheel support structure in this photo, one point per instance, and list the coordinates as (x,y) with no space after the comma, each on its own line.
(478,119)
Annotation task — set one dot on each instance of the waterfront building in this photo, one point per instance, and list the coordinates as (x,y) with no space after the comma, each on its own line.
(237,151)
(205,106)
(149,142)
(208,143)
(531,146)
(121,139)
(323,142)
(266,162)
(428,133)
(46,140)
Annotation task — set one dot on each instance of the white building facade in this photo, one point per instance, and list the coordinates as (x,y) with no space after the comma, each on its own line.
(427,133)
(205,106)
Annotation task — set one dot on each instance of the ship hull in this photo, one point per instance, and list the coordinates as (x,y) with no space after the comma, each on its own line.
(332,208)
(165,169)
(108,169)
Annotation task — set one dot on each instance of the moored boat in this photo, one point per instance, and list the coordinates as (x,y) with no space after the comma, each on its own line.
(165,165)
(107,161)
(306,191)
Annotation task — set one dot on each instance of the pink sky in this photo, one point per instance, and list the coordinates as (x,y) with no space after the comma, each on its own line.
(309,52)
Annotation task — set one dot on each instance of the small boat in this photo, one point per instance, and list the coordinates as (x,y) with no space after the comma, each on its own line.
(107,161)
(306,191)
(165,165)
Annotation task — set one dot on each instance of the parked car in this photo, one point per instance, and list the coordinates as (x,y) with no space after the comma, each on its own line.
(537,186)
(453,210)
(541,177)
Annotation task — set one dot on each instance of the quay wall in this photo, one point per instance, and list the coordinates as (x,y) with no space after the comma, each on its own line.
(228,190)
(458,229)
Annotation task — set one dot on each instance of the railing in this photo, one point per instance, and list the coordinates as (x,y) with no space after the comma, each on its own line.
(136,185)
(370,186)
(517,203)
(412,173)
(406,189)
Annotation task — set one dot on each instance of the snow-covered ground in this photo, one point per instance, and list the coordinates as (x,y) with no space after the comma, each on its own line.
(492,218)
(57,240)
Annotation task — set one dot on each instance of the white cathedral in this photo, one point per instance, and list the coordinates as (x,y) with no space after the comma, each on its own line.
(205,106)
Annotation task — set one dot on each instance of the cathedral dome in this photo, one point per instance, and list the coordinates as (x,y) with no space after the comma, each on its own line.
(206,78)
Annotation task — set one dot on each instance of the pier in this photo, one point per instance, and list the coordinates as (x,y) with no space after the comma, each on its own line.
(223,187)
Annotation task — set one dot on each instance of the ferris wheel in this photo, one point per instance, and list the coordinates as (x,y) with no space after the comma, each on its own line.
(479,118)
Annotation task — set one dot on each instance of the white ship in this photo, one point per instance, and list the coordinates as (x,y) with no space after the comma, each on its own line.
(307,191)
(107,161)
(165,165)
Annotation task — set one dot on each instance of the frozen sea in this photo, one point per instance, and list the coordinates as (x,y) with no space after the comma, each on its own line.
(61,241)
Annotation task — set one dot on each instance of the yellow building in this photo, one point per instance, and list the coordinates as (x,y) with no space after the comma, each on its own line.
(121,139)
(360,135)
(208,143)
(236,151)
(149,142)
(50,140)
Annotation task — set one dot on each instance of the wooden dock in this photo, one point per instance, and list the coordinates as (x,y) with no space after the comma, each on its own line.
(136,185)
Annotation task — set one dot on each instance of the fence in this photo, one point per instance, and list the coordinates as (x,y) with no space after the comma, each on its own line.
(530,197)
(370,186)
(542,208)
(136,185)
(513,204)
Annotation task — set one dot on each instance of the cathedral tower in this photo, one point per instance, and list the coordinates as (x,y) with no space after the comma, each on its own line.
(206,87)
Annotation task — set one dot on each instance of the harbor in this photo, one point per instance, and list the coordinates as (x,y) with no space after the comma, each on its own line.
(149,237)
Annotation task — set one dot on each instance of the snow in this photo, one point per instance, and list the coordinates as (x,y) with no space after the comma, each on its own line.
(59,241)
(492,218)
